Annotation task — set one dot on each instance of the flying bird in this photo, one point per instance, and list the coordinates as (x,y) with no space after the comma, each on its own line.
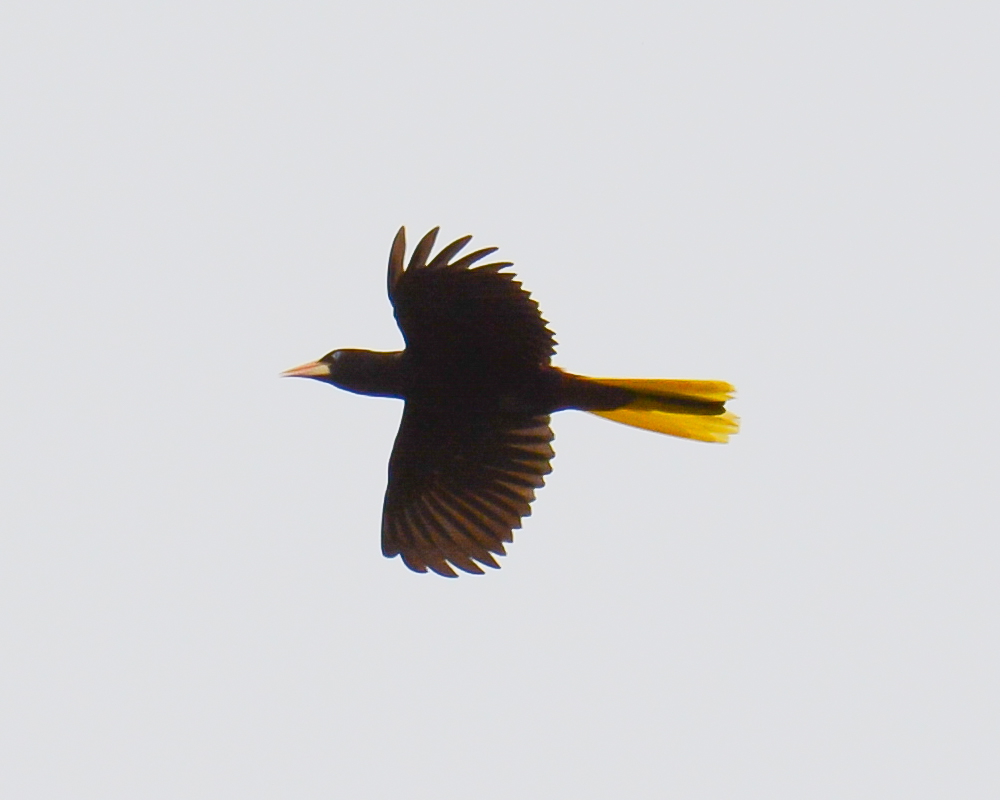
(474,442)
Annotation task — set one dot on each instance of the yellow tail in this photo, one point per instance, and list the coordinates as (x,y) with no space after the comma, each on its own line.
(660,406)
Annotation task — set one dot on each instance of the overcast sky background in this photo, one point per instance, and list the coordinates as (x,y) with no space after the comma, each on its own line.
(801,199)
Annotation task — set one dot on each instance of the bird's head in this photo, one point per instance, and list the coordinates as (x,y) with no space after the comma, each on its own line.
(361,371)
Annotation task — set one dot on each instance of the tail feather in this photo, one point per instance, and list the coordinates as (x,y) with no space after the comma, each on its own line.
(685,408)
(711,391)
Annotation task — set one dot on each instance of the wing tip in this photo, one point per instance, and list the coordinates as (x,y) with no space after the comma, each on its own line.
(396,254)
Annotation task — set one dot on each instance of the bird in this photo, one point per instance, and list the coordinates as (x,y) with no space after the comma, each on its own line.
(474,441)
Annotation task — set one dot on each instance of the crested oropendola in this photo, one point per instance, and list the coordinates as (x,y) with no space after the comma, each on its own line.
(474,442)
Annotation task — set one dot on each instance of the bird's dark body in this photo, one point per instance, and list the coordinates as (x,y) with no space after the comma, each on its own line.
(474,442)
(477,387)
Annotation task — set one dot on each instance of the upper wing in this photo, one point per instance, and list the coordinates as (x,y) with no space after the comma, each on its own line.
(459,485)
(459,314)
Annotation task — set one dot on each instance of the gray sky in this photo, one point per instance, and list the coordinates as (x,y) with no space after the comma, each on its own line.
(801,199)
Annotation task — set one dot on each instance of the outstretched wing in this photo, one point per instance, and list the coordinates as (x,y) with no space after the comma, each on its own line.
(459,485)
(458,315)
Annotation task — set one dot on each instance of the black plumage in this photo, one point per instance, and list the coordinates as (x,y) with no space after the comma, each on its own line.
(474,442)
